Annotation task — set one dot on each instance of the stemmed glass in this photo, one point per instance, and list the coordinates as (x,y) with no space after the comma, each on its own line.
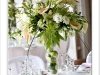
(9,70)
(23,66)
(28,66)
(11,43)
(31,65)
(62,67)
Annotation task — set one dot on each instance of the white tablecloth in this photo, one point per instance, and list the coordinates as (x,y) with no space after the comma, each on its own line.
(72,73)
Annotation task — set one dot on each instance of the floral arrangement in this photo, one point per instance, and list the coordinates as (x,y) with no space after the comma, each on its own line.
(50,21)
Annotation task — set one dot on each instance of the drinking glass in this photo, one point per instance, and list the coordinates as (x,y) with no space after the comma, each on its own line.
(62,65)
(10,70)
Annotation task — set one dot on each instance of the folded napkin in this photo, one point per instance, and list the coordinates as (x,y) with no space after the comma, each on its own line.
(84,67)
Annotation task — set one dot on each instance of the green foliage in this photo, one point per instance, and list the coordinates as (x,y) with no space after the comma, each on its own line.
(14,34)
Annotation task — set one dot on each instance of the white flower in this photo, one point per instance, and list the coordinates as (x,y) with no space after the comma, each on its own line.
(23,21)
(40,41)
(57,18)
(25,18)
(71,33)
(35,5)
(71,2)
(20,25)
(37,1)
(40,23)
(66,20)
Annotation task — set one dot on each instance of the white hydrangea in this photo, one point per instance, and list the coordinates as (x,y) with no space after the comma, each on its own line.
(21,25)
(66,20)
(25,18)
(23,21)
(57,18)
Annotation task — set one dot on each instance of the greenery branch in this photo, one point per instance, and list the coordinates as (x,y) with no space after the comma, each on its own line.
(88,48)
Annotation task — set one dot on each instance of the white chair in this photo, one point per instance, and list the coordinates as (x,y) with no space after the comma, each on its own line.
(17,64)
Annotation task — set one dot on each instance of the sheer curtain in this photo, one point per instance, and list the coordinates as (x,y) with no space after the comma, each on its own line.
(84,6)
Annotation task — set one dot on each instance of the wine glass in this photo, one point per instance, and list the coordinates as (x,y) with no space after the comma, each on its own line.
(22,65)
(10,70)
(62,67)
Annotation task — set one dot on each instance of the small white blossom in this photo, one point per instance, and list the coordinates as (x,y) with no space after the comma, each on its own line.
(37,1)
(35,5)
(71,33)
(40,41)
(57,18)
(40,23)
(66,20)
(25,18)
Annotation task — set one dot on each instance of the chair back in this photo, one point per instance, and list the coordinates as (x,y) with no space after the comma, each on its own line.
(18,64)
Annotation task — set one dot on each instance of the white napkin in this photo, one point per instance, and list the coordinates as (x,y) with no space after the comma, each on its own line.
(84,67)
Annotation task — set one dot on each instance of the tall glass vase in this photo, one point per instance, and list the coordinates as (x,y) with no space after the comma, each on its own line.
(51,56)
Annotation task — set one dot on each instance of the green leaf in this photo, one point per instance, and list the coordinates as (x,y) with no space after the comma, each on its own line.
(56,40)
(48,43)
(59,36)
(24,5)
(66,35)
(40,34)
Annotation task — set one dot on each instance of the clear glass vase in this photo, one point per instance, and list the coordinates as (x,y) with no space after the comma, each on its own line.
(52,65)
